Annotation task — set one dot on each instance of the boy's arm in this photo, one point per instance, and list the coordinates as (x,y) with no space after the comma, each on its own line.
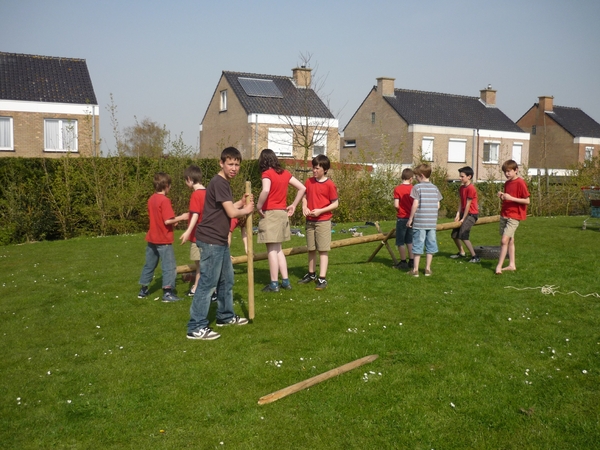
(305,210)
(190,229)
(317,212)
(397,204)
(413,211)
(245,239)
(465,211)
(504,196)
(299,195)
(239,208)
(184,216)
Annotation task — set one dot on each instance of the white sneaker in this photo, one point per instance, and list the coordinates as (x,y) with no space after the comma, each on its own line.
(235,320)
(205,334)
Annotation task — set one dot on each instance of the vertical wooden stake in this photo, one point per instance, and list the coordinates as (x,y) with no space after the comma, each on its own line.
(250,259)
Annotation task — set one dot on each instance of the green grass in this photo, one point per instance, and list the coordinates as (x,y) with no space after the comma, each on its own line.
(465,360)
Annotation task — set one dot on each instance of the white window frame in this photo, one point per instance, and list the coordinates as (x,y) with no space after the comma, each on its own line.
(427,148)
(517,152)
(60,135)
(223,98)
(319,142)
(7,139)
(589,153)
(281,141)
(492,158)
(350,143)
(457,150)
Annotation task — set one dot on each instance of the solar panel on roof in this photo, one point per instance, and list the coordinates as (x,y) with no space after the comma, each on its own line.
(255,87)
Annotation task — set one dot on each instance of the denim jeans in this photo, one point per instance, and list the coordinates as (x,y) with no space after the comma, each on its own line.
(216,272)
(165,253)
(426,238)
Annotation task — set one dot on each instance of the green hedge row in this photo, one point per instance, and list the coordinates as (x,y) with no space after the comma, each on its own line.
(68,197)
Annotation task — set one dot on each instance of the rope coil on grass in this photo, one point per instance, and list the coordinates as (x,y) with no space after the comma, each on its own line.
(552,289)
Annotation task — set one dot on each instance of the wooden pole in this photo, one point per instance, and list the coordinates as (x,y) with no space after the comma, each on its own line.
(250,256)
(392,233)
(315,380)
(341,243)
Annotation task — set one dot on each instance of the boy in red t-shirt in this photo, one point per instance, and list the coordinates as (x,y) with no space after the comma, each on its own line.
(467,214)
(193,180)
(160,239)
(319,200)
(403,204)
(515,199)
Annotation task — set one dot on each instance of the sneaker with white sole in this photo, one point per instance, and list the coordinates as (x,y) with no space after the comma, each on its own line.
(235,320)
(308,278)
(458,255)
(143,292)
(428,272)
(170,297)
(204,334)
(321,284)
(475,259)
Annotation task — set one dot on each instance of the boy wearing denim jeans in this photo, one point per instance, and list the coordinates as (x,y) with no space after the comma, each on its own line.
(403,204)
(160,239)
(423,218)
(216,269)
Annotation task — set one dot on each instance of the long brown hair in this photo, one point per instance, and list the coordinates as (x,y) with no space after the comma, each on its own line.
(268,159)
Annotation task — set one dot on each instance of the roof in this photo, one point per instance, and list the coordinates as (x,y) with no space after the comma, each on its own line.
(45,79)
(575,121)
(293,101)
(446,110)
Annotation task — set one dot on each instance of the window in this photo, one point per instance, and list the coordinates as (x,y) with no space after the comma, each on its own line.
(533,129)
(589,153)
(490,152)
(427,149)
(373,117)
(6,133)
(60,135)
(320,142)
(457,149)
(223,100)
(350,143)
(281,141)
(516,153)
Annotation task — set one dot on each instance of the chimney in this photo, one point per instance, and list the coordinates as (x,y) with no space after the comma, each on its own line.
(546,103)
(302,76)
(385,86)
(488,96)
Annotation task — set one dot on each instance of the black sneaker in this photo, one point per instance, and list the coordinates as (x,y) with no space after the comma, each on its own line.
(308,278)
(204,334)
(458,255)
(235,320)
(321,284)
(213,297)
(287,287)
(190,293)
(402,265)
(270,288)
(143,292)
(170,297)
(475,259)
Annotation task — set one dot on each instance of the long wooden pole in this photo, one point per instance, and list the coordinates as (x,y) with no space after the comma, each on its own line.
(269,398)
(250,256)
(342,243)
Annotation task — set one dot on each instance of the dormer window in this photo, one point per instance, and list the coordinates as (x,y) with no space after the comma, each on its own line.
(223,106)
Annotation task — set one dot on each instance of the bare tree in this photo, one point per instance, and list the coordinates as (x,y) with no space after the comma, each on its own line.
(145,138)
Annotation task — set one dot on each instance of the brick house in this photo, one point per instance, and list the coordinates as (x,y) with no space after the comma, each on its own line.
(47,107)
(561,137)
(253,112)
(401,126)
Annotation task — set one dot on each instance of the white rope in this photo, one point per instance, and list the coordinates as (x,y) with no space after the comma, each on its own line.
(551,289)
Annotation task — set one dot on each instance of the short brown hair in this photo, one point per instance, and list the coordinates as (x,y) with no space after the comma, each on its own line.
(511,164)
(407,174)
(194,173)
(231,153)
(322,161)
(161,181)
(423,169)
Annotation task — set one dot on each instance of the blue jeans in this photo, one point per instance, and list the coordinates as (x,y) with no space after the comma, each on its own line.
(424,238)
(216,272)
(165,253)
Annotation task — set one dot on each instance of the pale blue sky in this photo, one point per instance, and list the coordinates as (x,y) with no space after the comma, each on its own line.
(163,59)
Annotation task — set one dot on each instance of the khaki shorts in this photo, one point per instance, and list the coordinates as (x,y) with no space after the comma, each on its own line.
(194,252)
(318,235)
(508,227)
(274,228)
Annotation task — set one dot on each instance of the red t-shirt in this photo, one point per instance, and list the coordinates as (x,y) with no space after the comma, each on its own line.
(196,207)
(234,223)
(512,210)
(277,198)
(402,193)
(159,210)
(320,194)
(465,193)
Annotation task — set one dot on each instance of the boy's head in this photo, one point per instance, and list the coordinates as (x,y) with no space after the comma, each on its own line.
(231,153)
(193,173)
(161,181)
(510,165)
(423,170)
(321,161)
(467,171)
(407,174)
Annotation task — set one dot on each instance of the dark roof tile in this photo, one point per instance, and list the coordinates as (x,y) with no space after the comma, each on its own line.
(575,121)
(45,79)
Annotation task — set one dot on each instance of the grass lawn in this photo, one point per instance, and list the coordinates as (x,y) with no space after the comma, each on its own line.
(467,358)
